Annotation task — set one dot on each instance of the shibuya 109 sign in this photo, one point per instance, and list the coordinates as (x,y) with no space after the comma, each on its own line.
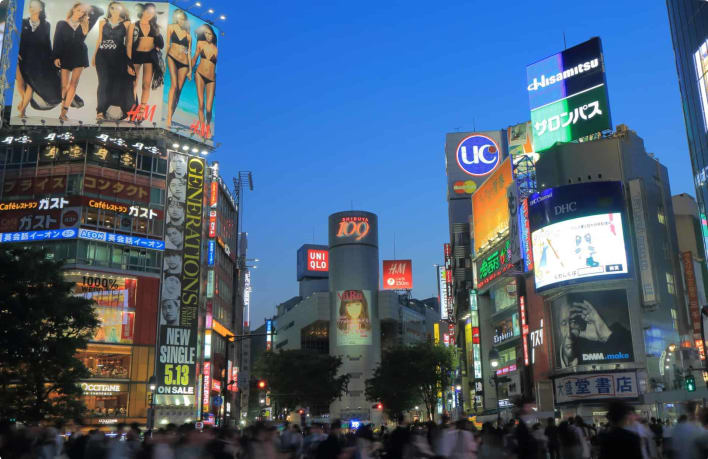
(568,95)
(353,227)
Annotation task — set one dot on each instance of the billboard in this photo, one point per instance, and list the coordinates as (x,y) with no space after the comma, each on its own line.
(442,288)
(494,265)
(520,141)
(596,387)
(700,58)
(506,329)
(577,234)
(469,159)
(179,319)
(312,262)
(490,207)
(568,95)
(592,328)
(120,62)
(353,227)
(354,317)
(397,275)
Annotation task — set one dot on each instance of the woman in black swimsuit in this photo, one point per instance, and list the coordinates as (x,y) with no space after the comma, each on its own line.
(70,53)
(179,42)
(144,52)
(115,74)
(37,80)
(206,53)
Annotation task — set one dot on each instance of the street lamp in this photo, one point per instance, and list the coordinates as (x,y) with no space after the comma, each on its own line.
(151,411)
(494,362)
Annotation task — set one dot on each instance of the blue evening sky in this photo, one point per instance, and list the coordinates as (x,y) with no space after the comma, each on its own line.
(334,103)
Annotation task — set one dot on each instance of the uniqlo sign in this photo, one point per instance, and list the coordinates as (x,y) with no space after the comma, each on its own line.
(318,260)
(397,275)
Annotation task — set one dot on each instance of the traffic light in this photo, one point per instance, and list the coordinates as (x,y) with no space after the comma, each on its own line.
(690,383)
(262,384)
(301,411)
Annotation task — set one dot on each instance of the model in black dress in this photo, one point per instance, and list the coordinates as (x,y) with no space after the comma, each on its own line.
(115,73)
(206,53)
(37,80)
(70,53)
(145,51)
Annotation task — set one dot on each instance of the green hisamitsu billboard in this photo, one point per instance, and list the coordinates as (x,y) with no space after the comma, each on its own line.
(568,95)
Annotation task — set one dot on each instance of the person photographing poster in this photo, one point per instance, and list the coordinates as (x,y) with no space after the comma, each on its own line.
(114,71)
(70,53)
(585,336)
(206,53)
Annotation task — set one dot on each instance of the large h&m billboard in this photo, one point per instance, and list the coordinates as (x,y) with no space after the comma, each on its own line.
(397,274)
(470,157)
(592,328)
(577,234)
(119,62)
(568,95)
(179,303)
(490,207)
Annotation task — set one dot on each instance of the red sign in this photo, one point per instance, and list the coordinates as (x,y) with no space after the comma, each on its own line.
(142,112)
(216,385)
(317,260)
(234,379)
(506,370)
(475,335)
(212,223)
(214,194)
(524,329)
(397,275)
(207,385)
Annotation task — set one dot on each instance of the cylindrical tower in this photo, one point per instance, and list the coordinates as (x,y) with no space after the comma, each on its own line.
(354,326)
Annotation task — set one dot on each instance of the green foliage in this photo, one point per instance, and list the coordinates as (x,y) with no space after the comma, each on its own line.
(408,375)
(301,378)
(42,325)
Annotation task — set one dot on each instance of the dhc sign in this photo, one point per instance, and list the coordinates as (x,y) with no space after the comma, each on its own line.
(478,155)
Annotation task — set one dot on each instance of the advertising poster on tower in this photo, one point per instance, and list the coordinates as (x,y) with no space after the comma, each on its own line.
(592,328)
(123,62)
(568,95)
(577,234)
(177,340)
(470,158)
(354,320)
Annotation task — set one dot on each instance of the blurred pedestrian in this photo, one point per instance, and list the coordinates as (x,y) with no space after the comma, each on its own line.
(551,433)
(619,442)
(334,444)
(312,441)
(686,434)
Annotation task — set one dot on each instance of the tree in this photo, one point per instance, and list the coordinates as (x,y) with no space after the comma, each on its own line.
(301,378)
(409,374)
(42,325)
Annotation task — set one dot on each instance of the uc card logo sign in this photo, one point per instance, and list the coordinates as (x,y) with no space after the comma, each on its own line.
(478,155)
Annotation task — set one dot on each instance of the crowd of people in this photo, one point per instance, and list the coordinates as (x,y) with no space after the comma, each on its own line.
(625,436)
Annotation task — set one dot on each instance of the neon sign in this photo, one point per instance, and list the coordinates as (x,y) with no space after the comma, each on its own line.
(353,226)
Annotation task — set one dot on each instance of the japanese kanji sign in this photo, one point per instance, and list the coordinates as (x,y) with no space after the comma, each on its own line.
(596,386)
(132,241)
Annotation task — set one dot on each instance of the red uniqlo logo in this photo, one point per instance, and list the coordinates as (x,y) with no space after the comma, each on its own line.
(317,260)
(142,112)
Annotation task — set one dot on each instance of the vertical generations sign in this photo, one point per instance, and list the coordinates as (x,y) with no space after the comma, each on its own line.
(397,275)
(646,271)
(177,339)
(568,95)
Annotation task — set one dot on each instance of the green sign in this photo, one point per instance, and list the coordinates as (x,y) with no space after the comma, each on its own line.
(571,118)
(494,265)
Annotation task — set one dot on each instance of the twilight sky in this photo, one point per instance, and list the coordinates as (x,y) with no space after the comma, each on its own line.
(334,104)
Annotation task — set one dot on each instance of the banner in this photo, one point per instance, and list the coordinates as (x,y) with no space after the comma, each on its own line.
(397,275)
(354,317)
(592,328)
(490,207)
(596,387)
(177,340)
(644,264)
(124,63)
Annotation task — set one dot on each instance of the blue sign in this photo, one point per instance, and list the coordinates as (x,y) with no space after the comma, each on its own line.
(210,253)
(217,401)
(478,155)
(269,326)
(32,236)
(132,241)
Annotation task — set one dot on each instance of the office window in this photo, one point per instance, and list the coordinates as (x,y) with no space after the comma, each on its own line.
(670,286)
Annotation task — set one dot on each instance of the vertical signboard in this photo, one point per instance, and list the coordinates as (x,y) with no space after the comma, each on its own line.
(269,334)
(207,387)
(177,338)
(694,306)
(448,281)
(524,329)
(568,95)
(525,235)
(442,286)
(644,264)
(397,275)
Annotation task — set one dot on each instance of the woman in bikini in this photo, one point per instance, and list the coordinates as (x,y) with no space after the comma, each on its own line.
(179,42)
(206,53)
(146,43)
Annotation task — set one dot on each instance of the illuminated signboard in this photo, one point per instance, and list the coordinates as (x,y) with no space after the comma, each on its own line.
(269,334)
(506,329)
(31,236)
(102,389)
(312,262)
(214,198)
(470,158)
(449,301)
(353,227)
(525,235)
(211,250)
(490,207)
(207,385)
(442,286)
(494,265)
(568,95)
(694,306)
(133,211)
(212,223)
(210,284)
(397,275)
(133,241)
(700,58)
(318,260)
(577,234)
(524,329)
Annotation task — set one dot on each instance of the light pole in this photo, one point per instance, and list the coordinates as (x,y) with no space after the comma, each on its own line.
(494,362)
(151,409)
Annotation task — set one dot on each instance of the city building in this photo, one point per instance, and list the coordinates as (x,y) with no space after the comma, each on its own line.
(689,33)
